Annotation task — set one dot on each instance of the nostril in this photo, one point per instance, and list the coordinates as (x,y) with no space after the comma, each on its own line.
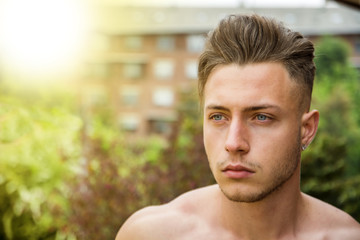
(236,146)
(240,147)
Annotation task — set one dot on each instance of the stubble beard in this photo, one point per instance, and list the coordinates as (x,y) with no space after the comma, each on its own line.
(281,175)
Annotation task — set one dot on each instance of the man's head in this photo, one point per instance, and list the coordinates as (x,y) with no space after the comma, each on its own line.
(255,83)
(254,39)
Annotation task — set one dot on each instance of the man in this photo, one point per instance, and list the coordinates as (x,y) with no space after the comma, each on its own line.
(255,85)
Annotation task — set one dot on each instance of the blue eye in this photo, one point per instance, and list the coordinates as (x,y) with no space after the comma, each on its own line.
(217,117)
(261,117)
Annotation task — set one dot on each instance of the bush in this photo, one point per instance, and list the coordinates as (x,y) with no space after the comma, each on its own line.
(38,145)
(331,164)
(123,174)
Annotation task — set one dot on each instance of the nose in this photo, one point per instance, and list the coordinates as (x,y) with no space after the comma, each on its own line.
(237,137)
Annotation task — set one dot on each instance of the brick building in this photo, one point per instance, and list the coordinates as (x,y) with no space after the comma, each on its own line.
(143,58)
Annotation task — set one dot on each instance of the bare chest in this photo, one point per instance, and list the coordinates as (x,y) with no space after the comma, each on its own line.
(197,230)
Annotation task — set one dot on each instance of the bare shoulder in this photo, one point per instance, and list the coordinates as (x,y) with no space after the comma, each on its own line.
(168,221)
(329,221)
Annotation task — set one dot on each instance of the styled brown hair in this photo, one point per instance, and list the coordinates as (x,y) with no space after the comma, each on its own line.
(241,39)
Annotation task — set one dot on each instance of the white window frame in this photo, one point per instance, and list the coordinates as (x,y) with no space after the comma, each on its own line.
(164,69)
(195,43)
(191,69)
(165,43)
(163,97)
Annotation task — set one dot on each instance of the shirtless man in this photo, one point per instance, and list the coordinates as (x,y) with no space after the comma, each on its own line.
(255,84)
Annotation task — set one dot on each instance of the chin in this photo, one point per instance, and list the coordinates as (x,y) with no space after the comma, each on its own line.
(250,193)
(244,195)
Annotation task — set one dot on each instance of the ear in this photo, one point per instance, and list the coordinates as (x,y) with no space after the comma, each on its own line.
(309,126)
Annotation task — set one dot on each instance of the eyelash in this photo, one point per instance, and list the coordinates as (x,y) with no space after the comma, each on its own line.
(256,117)
(262,115)
(212,117)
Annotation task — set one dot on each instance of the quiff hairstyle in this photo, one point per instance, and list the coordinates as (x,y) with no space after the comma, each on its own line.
(242,39)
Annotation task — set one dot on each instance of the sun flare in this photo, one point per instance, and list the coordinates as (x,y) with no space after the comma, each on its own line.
(40,37)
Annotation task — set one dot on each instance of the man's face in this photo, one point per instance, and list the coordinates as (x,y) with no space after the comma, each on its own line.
(252,128)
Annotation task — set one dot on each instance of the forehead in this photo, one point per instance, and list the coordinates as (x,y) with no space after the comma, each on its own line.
(251,84)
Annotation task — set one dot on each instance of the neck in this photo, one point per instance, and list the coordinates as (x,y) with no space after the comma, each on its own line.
(274,217)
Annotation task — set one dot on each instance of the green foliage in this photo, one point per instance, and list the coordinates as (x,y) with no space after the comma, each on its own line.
(323,181)
(123,174)
(331,166)
(186,156)
(65,176)
(331,54)
(112,183)
(38,145)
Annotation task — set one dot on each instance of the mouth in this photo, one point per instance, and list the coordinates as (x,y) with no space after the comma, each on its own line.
(237,171)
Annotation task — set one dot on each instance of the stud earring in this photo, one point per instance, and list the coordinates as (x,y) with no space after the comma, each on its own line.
(303,147)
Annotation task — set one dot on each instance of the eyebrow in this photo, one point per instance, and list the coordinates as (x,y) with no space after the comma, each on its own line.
(247,109)
(216,107)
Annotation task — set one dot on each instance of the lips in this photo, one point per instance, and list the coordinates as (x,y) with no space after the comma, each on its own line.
(237,171)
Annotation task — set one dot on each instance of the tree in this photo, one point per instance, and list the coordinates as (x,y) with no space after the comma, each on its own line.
(123,174)
(331,166)
(38,145)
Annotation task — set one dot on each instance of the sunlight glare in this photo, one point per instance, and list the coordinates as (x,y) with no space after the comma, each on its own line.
(42,36)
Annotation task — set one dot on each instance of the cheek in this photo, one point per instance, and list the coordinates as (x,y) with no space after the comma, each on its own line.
(209,141)
(276,142)
(208,136)
(213,142)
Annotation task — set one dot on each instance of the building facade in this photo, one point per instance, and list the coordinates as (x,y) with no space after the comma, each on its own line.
(143,59)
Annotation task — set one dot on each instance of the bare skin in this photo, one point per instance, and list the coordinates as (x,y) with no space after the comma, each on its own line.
(187,217)
(254,127)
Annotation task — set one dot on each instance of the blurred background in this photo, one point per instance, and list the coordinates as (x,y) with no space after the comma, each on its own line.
(99,113)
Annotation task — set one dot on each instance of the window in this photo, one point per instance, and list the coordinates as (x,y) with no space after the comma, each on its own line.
(164,69)
(191,69)
(132,70)
(165,43)
(129,122)
(133,43)
(195,43)
(163,97)
(129,95)
(160,126)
